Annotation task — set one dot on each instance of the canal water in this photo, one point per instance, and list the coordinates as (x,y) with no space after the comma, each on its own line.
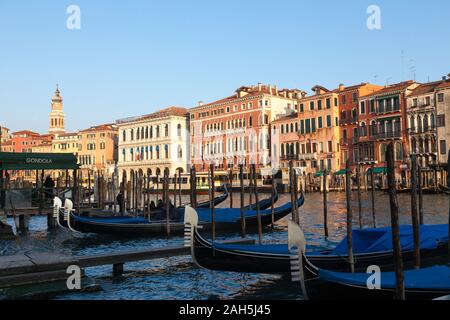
(178,278)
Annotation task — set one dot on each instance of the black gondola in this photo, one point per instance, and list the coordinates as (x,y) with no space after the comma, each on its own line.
(321,284)
(226,220)
(275,258)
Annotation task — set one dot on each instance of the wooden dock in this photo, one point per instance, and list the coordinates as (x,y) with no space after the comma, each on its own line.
(35,268)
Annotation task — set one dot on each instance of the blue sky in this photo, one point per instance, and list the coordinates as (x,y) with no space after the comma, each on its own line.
(135,57)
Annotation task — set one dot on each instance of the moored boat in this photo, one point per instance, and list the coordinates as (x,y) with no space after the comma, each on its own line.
(371,246)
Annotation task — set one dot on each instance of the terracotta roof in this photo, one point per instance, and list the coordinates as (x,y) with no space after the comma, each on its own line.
(392,88)
(69,134)
(102,127)
(288,117)
(252,91)
(28,132)
(425,88)
(171,111)
(444,84)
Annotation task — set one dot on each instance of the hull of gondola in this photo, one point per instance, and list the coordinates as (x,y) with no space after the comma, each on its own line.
(322,290)
(318,289)
(156,228)
(210,258)
(159,227)
(250,261)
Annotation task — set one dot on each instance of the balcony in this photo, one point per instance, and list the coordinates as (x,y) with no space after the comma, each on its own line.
(388,109)
(425,129)
(289,157)
(389,135)
(308,156)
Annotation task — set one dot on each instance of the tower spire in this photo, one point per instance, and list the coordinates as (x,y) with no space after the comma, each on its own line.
(57,124)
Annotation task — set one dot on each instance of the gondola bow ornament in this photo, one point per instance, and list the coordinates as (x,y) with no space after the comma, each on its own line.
(297,247)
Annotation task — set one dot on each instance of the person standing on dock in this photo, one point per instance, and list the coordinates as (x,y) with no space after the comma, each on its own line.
(49,186)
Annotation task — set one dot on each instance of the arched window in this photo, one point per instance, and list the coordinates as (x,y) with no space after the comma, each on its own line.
(363,129)
(166,130)
(146,132)
(425,123)
(124,135)
(383,152)
(180,152)
(373,128)
(132,134)
(250,121)
(398,151)
(166,151)
(433,121)
(179,130)
(138,134)
(157,131)
(151,132)
(412,123)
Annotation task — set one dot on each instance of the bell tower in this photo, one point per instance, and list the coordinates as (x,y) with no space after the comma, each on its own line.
(57,115)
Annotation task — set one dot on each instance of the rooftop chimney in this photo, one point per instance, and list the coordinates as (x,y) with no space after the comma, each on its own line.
(259,86)
(200,103)
(341,87)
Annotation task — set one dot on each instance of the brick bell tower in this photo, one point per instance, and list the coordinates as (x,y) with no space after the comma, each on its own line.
(57,115)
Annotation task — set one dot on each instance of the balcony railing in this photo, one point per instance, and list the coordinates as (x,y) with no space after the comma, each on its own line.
(388,109)
(425,129)
(289,157)
(389,135)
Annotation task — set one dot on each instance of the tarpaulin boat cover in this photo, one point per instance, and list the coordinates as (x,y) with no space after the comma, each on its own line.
(118,220)
(234,214)
(377,240)
(364,241)
(436,278)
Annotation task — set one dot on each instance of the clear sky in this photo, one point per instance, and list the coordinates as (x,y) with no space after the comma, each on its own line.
(134,57)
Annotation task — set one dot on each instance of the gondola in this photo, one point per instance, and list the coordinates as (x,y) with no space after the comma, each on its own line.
(318,283)
(226,220)
(371,246)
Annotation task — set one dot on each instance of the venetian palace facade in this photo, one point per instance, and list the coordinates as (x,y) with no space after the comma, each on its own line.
(97,149)
(155,143)
(236,130)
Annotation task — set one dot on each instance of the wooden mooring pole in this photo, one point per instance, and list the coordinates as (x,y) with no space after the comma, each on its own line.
(348,192)
(211,200)
(325,203)
(167,201)
(230,181)
(241,178)
(414,214)
(291,190)
(358,192)
(398,263)
(419,188)
(272,203)
(372,186)
(448,185)
(258,213)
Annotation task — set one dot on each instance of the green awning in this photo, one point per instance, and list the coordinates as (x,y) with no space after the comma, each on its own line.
(37,161)
(377,170)
(340,172)
(318,174)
